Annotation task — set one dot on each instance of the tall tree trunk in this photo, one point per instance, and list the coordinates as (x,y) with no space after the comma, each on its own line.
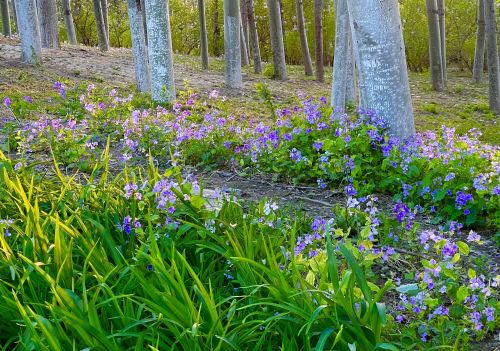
(318,25)
(232,50)
(341,55)
(144,22)
(68,21)
(105,17)
(380,54)
(216,28)
(49,26)
(101,30)
(277,45)
(203,34)
(244,22)
(442,36)
(4,4)
(350,90)
(435,55)
(141,64)
(161,58)
(282,18)
(254,37)
(29,31)
(243,47)
(14,13)
(492,53)
(306,56)
(477,72)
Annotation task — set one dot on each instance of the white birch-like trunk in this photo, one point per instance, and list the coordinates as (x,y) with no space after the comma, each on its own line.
(492,53)
(68,22)
(254,37)
(104,9)
(4,4)
(350,90)
(442,36)
(29,31)
(301,27)
(160,51)
(435,54)
(203,34)
(277,45)
(380,53)
(477,71)
(341,55)
(49,27)
(141,64)
(232,50)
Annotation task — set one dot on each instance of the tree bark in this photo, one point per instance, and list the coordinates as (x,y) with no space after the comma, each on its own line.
(216,28)
(29,31)
(4,4)
(14,13)
(244,23)
(160,51)
(141,64)
(380,54)
(49,27)
(306,56)
(203,34)
(477,72)
(243,47)
(435,54)
(492,54)
(105,18)
(68,22)
(101,30)
(232,50)
(318,25)
(340,58)
(277,45)
(254,37)
(442,36)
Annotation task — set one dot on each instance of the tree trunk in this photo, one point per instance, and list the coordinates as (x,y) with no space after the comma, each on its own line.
(350,90)
(244,22)
(435,55)
(477,72)
(135,9)
(442,36)
(49,26)
(4,4)
(68,22)
(492,53)
(105,18)
(243,47)
(318,25)
(29,31)
(254,37)
(303,38)
(277,45)
(144,22)
(14,13)
(216,28)
(340,58)
(101,30)
(380,54)
(232,50)
(203,34)
(160,51)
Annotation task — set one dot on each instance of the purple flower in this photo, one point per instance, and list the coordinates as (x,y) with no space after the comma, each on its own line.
(6,101)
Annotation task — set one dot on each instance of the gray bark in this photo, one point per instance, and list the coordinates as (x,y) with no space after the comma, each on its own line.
(68,22)
(104,9)
(160,51)
(203,34)
(254,37)
(243,47)
(306,56)
(101,30)
(277,45)
(492,54)
(350,89)
(4,4)
(318,25)
(232,50)
(477,72)
(14,13)
(442,36)
(144,22)
(141,64)
(435,55)
(380,54)
(49,27)
(341,56)
(29,31)
(244,23)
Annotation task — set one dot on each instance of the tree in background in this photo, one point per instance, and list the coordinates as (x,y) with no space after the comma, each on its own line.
(68,22)
(442,36)
(216,28)
(243,46)
(380,55)
(254,37)
(277,46)
(477,71)
(105,17)
(49,27)
(492,53)
(14,12)
(29,31)
(4,4)
(135,10)
(203,34)
(301,27)
(232,50)
(244,23)
(318,20)
(100,26)
(435,54)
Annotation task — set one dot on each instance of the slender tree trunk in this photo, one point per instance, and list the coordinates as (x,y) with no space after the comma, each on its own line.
(160,51)
(477,72)
(492,53)
(341,54)
(435,55)
(101,30)
(243,47)
(203,34)
(29,31)
(306,56)
(105,17)
(49,27)
(144,22)
(135,9)
(318,25)
(232,50)
(442,36)
(216,28)
(277,45)
(380,54)
(244,22)
(4,4)
(254,37)
(282,18)
(14,13)
(68,22)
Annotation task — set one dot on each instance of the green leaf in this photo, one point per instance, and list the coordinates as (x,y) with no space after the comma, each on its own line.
(463,248)
(197,201)
(407,288)
(471,273)
(462,294)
